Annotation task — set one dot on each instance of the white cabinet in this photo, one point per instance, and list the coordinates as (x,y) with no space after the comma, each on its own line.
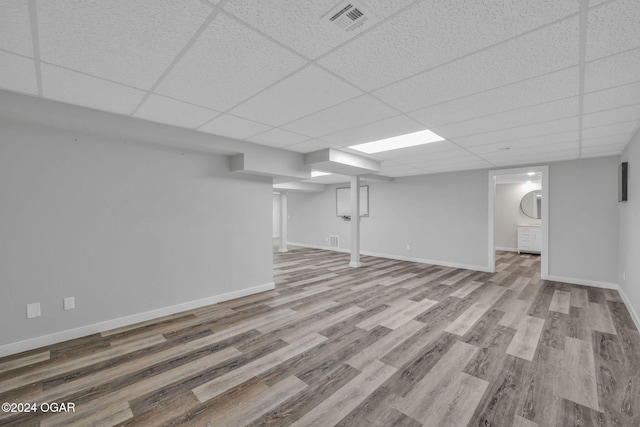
(529,239)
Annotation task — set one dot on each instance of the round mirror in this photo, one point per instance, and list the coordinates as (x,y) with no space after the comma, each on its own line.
(531,204)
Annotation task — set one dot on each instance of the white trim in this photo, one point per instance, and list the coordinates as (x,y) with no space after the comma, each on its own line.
(69,334)
(401,258)
(544,170)
(605,285)
(583,282)
(633,313)
(500,248)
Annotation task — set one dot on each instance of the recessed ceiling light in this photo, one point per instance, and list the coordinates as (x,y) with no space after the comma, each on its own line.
(396,142)
(531,173)
(315,174)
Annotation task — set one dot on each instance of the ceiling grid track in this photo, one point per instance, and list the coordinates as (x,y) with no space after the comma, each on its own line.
(584,10)
(177,59)
(35,37)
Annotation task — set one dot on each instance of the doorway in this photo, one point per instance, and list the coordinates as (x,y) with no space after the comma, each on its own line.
(540,204)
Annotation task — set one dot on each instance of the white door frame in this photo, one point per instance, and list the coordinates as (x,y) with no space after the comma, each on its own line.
(544,172)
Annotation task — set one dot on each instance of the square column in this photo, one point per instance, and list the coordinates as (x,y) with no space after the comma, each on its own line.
(283,222)
(355,222)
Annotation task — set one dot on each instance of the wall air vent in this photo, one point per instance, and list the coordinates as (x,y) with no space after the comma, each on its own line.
(334,241)
(347,17)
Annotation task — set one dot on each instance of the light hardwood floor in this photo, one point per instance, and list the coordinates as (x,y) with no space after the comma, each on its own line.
(392,343)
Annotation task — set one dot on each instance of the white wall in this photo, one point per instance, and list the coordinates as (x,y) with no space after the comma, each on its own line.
(444,218)
(124,228)
(630,230)
(509,215)
(276,215)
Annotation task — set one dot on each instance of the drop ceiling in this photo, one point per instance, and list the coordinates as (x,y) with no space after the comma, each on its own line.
(504,82)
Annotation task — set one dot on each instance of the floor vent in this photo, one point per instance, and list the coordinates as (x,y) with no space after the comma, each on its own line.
(334,241)
(348,16)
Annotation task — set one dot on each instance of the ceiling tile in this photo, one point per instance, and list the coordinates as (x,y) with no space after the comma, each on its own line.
(435,32)
(353,113)
(166,110)
(601,154)
(305,92)
(17,73)
(450,166)
(452,152)
(226,65)
(613,28)
(528,131)
(297,24)
(308,146)
(386,128)
(390,165)
(15,29)
(545,88)
(383,9)
(607,140)
(604,150)
(278,138)
(80,89)
(547,50)
(131,42)
(532,158)
(521,151)
(510,119)
(431,162)
(535,143)
(620,96)
(616,115)
(608,130)
(233,127)
(612,71)
(407,171)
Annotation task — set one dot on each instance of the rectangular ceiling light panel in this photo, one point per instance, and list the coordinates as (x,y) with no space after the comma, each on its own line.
(397,142)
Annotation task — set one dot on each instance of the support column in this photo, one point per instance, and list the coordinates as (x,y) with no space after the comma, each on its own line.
(355,222)
(283,222)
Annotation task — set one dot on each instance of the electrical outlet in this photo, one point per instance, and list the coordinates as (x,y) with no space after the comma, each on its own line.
(69,303)
(33,310)
(624,276)
(408,247)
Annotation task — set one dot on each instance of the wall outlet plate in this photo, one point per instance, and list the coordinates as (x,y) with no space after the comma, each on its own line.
(69,303)
(33,310)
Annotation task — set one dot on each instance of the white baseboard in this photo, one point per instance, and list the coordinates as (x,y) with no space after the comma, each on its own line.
(501,248)
(402,258)
(605,285)
(57,337)
(582,282)
(634,314)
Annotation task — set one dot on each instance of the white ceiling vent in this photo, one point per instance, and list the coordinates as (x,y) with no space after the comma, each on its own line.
(347,17)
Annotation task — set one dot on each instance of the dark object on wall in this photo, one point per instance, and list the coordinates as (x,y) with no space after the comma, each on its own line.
(623,178)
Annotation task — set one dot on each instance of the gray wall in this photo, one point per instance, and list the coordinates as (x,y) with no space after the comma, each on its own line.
(509,215)
(124,228)
(583,219)
(630,229)
(444,218)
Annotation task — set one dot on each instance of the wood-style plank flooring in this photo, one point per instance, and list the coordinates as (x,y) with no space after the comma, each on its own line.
(392,343)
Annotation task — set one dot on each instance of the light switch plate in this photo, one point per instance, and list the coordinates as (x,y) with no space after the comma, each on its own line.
(69,303)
